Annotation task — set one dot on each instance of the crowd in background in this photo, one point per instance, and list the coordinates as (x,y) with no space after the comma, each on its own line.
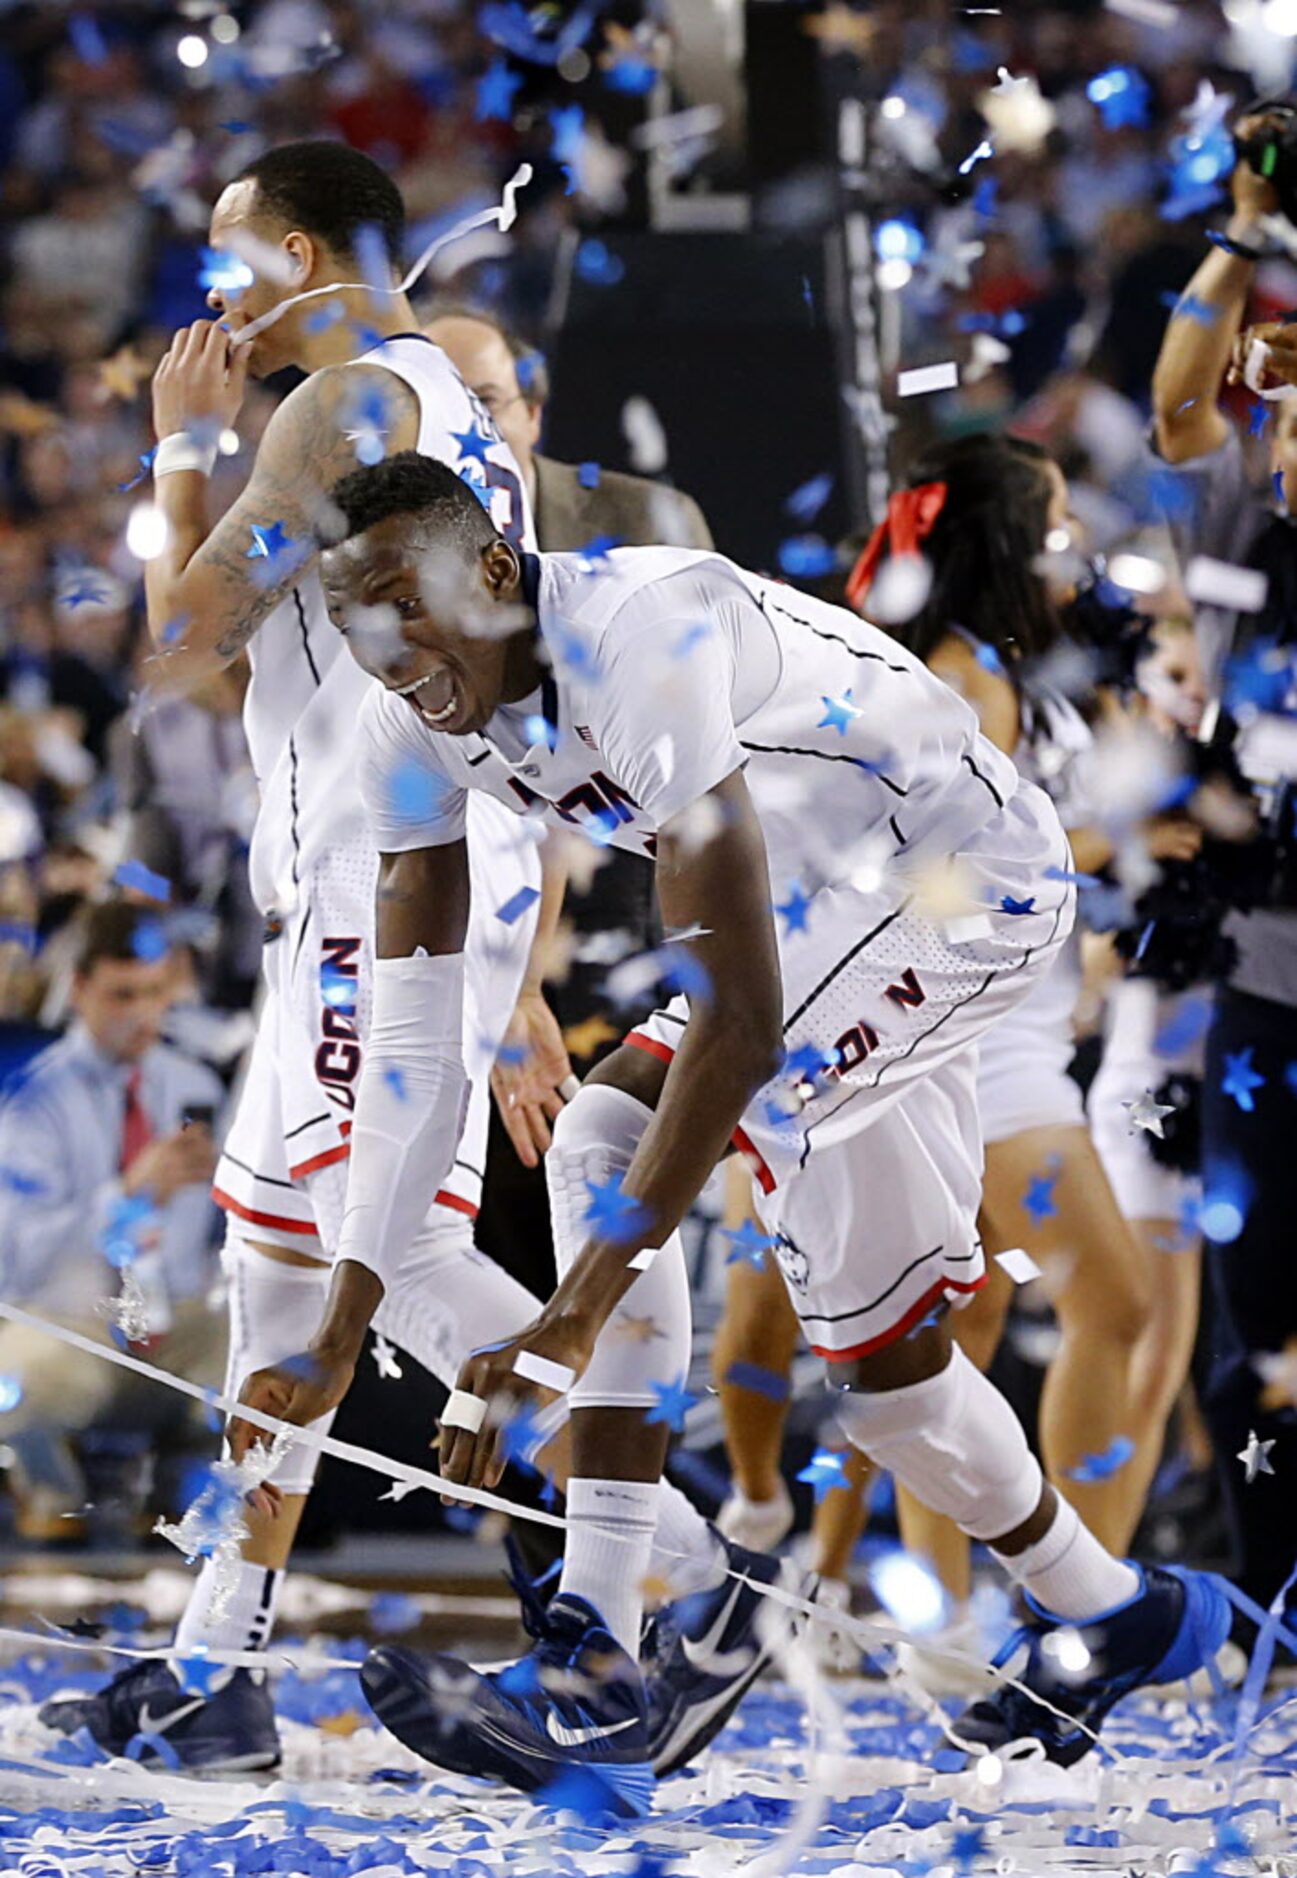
(1087,159)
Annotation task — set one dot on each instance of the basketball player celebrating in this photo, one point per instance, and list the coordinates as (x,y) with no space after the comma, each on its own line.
(764,747)
(302,212)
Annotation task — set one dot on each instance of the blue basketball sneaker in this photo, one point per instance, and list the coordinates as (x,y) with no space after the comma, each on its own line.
(574,1703)
(702,1654)
(145,1715)
(1175,1624)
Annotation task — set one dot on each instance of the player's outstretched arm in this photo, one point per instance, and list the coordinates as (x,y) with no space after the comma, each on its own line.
(716,896)
(409,1112)
(209,590)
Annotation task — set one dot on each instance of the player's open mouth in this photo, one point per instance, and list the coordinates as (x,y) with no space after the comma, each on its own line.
(435,697)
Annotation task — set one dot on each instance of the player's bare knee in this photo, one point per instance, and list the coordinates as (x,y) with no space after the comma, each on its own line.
(924,1353)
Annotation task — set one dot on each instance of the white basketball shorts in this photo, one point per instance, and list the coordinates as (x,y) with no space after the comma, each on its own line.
(283,1170)
(872,1191)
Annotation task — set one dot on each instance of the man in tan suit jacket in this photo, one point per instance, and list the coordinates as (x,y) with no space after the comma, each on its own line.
(572,503)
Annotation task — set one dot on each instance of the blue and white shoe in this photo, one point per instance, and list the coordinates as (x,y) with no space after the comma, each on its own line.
(575,1702)
(702,1654)
(1173,1626)
(145,1715)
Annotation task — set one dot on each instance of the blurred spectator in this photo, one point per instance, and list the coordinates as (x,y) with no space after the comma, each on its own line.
(107,1147)
(184,785)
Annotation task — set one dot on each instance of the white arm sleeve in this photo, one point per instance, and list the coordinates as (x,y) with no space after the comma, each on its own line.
(410,1107)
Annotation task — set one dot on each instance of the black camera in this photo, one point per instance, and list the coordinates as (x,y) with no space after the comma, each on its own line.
(1272,149)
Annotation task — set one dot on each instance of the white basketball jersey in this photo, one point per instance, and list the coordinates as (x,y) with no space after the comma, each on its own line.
(304,699)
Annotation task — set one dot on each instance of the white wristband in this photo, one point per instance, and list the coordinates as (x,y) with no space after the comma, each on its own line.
(180,451)
(464,1410)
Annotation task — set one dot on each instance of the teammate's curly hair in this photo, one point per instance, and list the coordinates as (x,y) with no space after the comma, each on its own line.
(984,549)
(411,484)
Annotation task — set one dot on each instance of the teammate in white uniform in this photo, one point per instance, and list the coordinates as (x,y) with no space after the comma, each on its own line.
(282,1174)
(764,747)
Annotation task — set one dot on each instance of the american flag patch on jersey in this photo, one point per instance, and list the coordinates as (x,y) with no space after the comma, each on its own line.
(586,735)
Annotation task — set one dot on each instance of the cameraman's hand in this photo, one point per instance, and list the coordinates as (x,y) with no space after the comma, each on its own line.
(1281,355)
(1172,837)
(1253,194)
(185,1159)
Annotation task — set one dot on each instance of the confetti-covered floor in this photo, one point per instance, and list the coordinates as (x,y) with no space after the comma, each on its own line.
(879,1794)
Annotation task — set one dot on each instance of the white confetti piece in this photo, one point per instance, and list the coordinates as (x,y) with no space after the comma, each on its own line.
(1018,1265)
(963,931)
(924,378)
(1149,12)
(540,1369)
(1221,583)
(643,1258)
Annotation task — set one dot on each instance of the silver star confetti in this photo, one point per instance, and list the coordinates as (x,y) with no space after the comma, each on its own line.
(1145,1113)
(1255,1456)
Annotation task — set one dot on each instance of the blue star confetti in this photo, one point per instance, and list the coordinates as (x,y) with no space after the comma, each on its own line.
(749,1243)
(1121,97)
(1240,1080)
(1039,1199)
(495,93)
(806,557)
(672,1405)
(588,474)
(839,713)
(1009,905)
(612,1214)
(597,265)
(825,1472)
(1103,1465)
(794,911)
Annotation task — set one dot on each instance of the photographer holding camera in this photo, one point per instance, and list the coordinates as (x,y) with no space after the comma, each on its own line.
(1250,1095)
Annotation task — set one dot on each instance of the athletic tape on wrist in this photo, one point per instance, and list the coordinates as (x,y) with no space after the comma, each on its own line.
(179,451)
(464,1410)
(540,1369)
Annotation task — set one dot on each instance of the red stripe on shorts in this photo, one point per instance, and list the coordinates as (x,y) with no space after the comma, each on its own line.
(254,1218)
(915,1314)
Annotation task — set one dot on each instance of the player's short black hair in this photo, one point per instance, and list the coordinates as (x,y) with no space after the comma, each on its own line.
(331,191)
(411,484)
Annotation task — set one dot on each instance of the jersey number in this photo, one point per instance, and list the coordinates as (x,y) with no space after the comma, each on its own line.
(498,477)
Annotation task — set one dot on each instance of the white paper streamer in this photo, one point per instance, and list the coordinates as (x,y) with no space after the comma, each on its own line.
(503,214)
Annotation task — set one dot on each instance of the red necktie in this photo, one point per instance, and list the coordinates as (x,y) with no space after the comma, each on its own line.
(137,1129)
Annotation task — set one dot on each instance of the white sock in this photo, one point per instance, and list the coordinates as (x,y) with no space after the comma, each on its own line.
(610,1527)
(687,1554)
(1069,1572)
(249,1614)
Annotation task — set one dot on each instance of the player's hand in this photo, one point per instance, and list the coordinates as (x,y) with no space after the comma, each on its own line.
(298,1390)
(478,1460)
(200,380)
(528,1091)
(1253,194)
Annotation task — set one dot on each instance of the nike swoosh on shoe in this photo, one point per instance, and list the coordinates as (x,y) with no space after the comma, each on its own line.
(702,1651)
(565,1737)
(151,1724)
